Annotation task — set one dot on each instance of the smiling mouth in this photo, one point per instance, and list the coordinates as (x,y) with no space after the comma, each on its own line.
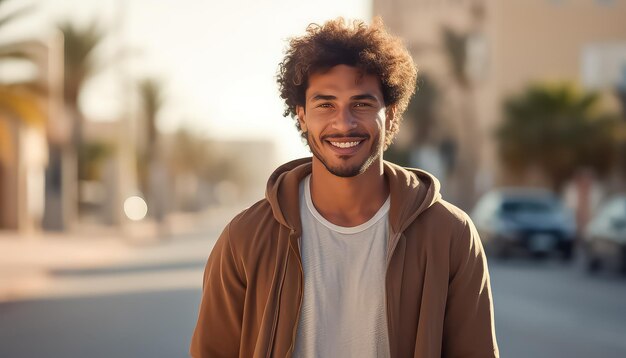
(345,144)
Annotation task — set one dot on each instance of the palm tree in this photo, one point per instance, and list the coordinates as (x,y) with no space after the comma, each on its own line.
(455,48)
(422,119)
(79,66)
(151,168)
(558,130)
(8,50)
(16,50)
(152,98)
(80,44)
(455,45)
(22,103)
(20,106)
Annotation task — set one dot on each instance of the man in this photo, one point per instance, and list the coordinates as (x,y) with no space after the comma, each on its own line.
(348,255)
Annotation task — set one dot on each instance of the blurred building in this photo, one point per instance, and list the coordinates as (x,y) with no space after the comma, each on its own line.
(35,175)
(23,159)
(507,44)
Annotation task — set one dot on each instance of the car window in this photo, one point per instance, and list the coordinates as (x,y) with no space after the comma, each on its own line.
(527,206)
(615,209)
(612,210)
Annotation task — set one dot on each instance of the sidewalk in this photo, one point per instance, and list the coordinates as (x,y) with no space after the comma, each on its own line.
(27,262)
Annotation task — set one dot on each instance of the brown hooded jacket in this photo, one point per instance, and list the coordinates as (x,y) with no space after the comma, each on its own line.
(438,292)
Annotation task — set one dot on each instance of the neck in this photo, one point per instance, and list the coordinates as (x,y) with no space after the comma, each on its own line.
(348,201)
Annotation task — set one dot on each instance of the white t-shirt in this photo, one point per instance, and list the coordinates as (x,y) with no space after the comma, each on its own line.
(343,309)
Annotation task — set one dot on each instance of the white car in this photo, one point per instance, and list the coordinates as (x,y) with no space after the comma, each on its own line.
(604,240)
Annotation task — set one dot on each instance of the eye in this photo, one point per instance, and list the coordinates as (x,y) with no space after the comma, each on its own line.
(325,105)
(362,105)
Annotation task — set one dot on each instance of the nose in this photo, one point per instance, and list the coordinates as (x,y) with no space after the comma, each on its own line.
(344,121)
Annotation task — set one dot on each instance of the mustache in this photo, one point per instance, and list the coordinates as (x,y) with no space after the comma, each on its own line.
(345,135)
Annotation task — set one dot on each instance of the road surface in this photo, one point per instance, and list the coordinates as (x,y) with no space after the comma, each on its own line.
(147,307)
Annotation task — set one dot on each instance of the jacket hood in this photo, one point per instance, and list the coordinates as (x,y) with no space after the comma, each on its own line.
(412,191)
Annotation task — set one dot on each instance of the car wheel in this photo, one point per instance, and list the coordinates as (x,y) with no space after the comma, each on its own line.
(567,251)
(591,261)
(593,265)
(622,266)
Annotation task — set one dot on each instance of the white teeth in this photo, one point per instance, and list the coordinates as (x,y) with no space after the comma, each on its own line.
(345,144)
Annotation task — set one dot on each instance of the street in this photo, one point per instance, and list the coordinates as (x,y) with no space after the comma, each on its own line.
(551,309)
(157,324)
(146,307)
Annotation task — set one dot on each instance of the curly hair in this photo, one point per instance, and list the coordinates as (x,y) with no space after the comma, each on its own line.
(370,48)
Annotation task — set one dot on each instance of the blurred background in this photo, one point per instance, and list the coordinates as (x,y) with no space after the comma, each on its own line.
(131,131)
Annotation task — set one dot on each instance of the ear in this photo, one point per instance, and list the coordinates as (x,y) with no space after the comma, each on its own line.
(390,114)
(301,117)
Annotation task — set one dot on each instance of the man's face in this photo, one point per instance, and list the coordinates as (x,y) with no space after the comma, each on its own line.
(344,120)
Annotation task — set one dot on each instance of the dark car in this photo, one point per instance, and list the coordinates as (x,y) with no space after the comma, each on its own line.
(524,219)
(604,240)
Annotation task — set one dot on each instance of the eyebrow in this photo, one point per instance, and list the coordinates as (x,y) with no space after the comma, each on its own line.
(359,97)
(366,96)
(321,97)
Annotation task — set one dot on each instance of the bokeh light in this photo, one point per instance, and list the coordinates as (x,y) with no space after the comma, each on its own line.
(135,208)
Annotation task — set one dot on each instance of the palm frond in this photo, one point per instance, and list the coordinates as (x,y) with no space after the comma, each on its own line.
(15,14)
(79,45)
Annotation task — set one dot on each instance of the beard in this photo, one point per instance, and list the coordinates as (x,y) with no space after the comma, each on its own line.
(346,170)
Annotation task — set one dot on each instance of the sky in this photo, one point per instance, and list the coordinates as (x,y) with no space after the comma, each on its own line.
(218,59)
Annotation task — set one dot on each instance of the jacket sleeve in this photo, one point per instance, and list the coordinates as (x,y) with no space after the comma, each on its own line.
(218,330)
(469,329)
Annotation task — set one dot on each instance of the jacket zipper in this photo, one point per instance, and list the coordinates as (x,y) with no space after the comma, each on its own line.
(300,294)
(275,324)
(395,239)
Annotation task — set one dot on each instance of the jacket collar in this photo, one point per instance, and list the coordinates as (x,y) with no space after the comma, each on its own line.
(412,191)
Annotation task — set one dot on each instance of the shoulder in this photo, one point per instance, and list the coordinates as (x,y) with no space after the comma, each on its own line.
(464,239)
(448,227)
(254,223)
(254,214)
(448,215)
